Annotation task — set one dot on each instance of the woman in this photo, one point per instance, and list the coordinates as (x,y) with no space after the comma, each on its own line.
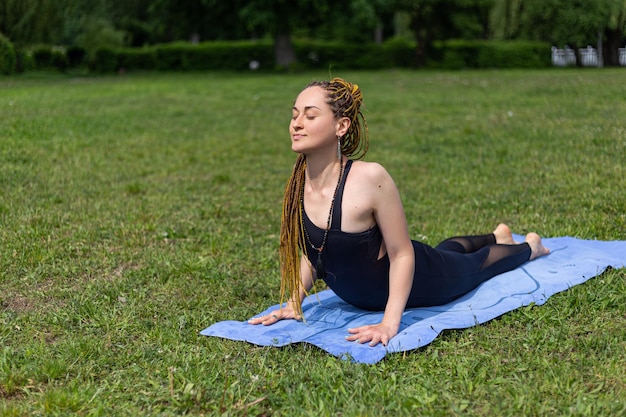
(343,222)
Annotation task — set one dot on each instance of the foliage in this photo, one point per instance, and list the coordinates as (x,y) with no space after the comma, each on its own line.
(504,19)
(7,56)
(561,22)
(97,34)
(241,55)
(258,55)
(343,55)
(136,210)
(28,22)
(91,25)
(458,54)
(433,20)
(203,20)
(576,23)
(24,59)
(48,57)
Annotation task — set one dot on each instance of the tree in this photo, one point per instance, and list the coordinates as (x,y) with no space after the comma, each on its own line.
(31,21)
(504,19)
(354,20)
(576,23)
(433,20)
(614,30)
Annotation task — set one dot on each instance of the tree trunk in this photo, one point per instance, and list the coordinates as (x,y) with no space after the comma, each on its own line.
(421,37)
(600,50)
(611,46)
(284,53)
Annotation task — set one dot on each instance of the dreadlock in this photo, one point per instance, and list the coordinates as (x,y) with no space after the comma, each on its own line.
(344,98)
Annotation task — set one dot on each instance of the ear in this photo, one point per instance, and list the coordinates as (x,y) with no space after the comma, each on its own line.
(342,126)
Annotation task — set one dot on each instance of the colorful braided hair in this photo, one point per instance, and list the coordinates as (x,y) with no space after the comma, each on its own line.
(345,100)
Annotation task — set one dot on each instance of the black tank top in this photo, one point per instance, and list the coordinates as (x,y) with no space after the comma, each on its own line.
(353,271)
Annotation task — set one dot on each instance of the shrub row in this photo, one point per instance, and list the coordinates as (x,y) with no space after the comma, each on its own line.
(180,56)
(395,53)
(242,55)
(239,56)
(457,54)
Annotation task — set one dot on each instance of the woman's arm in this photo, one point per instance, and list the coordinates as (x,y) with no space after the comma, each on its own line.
(389,215)
(289,311)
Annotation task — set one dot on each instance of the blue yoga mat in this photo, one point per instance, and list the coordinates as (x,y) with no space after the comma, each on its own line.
(571,262)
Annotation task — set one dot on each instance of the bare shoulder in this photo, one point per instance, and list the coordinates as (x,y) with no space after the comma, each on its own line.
(370,172)
(369,191)
(369,188)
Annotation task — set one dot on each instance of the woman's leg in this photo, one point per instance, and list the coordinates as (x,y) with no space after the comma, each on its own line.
(501,245)
(468,244)
(460,264)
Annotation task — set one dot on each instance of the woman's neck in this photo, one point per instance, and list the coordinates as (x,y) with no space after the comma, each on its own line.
(322,173)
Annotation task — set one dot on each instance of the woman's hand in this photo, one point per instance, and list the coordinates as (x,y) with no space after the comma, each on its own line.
(373,333)
(287,312)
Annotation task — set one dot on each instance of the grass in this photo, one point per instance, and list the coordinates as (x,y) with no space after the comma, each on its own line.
(137,210)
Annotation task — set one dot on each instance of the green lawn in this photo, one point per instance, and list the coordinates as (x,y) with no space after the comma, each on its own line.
(137,210)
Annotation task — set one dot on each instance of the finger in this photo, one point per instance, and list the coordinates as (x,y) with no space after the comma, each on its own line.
(256,320)
(361,329)
(271,319)
(361,338)
(352,338)
(358,338)
(267,319)
(375,340)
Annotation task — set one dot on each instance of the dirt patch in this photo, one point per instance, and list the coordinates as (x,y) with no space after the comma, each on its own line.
(17,303)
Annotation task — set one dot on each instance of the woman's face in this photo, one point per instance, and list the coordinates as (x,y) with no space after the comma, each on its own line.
(313,125)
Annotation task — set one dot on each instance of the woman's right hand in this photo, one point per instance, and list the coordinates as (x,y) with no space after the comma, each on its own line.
(287,312)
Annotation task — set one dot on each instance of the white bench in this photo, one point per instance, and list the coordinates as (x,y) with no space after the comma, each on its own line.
(563,57)
(588,56)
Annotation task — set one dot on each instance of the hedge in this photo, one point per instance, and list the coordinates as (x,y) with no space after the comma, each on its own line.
(8,58)
(458,54)
(49,57)
(454,54)
(244,55)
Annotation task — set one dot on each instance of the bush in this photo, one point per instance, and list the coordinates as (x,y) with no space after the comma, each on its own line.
(49,57)
(514,55)
(24,60)
(243,55)
(397,52)
(136,59)
(97,33)
(401,52)
(214,55)
(457,54)
(7,56)
(341,55)
(104,60)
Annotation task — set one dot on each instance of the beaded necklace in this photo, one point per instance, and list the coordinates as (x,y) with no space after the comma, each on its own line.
(320,272)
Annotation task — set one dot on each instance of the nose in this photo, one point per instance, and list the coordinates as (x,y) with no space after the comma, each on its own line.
(296,122)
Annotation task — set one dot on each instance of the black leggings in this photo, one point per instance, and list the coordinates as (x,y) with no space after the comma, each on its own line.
(458,265)
(470,244)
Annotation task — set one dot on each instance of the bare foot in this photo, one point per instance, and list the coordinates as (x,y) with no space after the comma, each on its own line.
(536,247)
(503,235)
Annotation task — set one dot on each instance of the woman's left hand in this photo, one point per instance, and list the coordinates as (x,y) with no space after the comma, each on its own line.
(372,333)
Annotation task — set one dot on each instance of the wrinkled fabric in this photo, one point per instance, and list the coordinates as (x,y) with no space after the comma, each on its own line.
(571,262)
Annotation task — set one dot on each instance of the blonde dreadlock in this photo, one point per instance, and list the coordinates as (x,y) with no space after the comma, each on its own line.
(344,98)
